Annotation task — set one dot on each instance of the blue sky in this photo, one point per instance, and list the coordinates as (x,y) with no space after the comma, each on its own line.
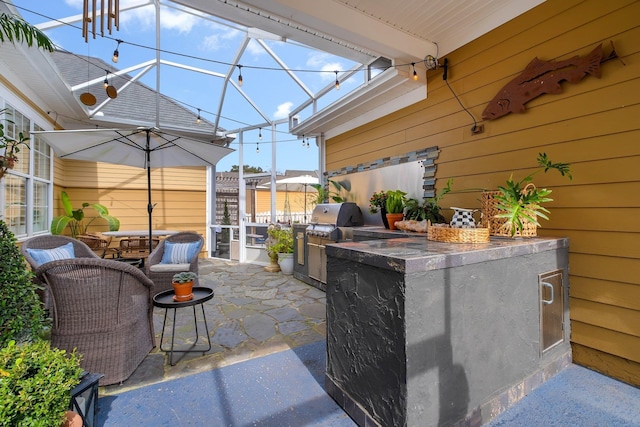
(211,46)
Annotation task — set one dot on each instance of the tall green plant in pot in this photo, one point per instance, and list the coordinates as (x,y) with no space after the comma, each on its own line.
(76,219)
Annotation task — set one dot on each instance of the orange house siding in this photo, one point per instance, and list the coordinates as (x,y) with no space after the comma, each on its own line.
(179,194)
(592,124)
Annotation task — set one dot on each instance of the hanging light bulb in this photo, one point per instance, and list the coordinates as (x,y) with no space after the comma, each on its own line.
(116,54)
(307,143)
(260,134)
(303,143)
(415,75)
(257,147)
(240,75)
(198,119)
(106,80)
(337,81)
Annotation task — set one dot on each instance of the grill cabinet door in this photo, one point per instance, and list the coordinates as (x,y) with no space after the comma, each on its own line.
(551,309)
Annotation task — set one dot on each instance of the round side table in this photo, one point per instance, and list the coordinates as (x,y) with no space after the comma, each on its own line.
(165,300)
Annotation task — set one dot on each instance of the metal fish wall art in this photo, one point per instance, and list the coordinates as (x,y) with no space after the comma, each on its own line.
(540,77)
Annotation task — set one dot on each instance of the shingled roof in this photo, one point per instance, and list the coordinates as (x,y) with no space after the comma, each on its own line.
(135,103)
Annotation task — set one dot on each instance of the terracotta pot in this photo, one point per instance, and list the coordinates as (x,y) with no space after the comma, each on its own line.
(183,291)
(392,218)
(73,419)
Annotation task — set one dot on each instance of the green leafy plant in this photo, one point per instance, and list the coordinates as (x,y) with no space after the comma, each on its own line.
(521,201)
(76,219)
(10,147)
(21,313)
(429,209)
(279,239)
(325,194)
(395,201)
(15,29)
(226,220)
(184,277)
(378,201)
(35,383)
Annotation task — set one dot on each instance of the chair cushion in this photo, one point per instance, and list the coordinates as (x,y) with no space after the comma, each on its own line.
(161,268)
(42,256)
(179,253)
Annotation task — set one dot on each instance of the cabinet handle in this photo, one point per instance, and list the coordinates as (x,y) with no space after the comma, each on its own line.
(550,286)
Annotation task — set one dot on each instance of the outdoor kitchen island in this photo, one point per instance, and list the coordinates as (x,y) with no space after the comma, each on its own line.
(422,333)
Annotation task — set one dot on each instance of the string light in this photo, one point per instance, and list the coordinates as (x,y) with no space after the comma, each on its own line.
(198,119)
(106,80)
(337,81)
(260,134)
(240,75)
(415,75)
(303,143)
(307,143)
(116,54)
(257,147)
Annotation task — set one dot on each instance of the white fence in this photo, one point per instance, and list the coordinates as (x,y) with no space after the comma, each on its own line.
(281,216)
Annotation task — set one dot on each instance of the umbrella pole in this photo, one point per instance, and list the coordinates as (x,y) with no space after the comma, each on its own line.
(149,205)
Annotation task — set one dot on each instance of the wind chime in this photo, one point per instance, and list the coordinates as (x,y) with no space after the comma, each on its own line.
(89,17)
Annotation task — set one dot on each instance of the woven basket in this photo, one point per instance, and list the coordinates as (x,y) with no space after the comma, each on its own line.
(458,235)
(496,225)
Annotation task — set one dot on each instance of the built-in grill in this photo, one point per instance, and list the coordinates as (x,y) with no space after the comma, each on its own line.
(330,222)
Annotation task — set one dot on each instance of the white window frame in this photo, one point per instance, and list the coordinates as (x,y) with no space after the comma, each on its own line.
(34,120)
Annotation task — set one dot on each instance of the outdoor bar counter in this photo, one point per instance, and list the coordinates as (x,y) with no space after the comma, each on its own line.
(422,333)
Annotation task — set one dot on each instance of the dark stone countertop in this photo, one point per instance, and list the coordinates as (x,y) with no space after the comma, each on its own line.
(417,254)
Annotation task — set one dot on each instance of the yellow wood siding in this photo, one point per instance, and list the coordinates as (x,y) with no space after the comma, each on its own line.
(592,124)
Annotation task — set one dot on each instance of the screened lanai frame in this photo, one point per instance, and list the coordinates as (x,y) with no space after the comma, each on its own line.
(270,127)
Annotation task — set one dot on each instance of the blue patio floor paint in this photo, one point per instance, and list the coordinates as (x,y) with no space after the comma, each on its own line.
(281,389)
(576,396)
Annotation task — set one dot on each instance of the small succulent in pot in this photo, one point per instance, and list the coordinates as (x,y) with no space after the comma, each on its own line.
(184,277)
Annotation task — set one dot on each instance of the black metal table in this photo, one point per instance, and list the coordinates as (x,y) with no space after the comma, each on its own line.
(165,300)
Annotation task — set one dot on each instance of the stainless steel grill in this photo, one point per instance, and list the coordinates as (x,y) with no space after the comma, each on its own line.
(330,222)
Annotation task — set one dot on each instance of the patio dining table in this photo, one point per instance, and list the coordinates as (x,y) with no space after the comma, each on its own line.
(139,233)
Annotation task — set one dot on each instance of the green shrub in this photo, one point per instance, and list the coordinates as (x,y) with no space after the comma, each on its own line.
(21,313)
(35,384)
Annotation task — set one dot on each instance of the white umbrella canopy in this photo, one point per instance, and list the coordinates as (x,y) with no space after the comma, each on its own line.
(298,184)
(140,147)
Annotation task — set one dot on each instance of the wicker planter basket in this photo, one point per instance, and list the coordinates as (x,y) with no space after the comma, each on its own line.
(496,225)
(458,235)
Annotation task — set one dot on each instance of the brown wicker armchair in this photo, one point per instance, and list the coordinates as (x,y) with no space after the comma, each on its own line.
(162,273)
(104,308)
(81,250)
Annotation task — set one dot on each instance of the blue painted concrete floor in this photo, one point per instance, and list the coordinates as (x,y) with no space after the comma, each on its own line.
(287,389)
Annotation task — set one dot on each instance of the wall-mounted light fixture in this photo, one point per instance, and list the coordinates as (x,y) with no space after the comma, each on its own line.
(431,62)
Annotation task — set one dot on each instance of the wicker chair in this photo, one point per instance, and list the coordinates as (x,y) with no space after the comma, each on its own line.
(161,274)
(104,308)
(80,249)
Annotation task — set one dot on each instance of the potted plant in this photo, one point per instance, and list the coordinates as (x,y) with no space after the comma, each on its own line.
(325,194)
(280,243)
(378,202)
(75,218)
(519,203)
(395,205)
(183,285)
(36,383)
(429,209)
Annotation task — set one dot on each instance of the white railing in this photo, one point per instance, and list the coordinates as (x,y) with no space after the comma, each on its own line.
(281,216)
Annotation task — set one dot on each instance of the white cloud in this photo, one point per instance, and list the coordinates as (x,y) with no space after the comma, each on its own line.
(254,48)
(324,62)
(283,110)
(218,37)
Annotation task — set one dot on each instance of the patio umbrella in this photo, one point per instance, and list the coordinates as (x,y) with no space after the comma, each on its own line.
(138,147)
(296,183)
